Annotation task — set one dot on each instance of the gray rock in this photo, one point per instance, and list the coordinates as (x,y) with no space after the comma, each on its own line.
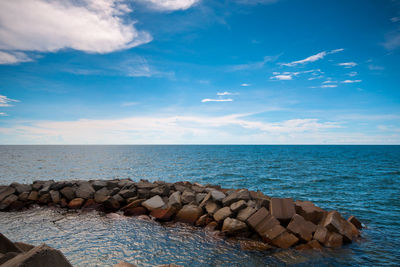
(85,191)
(142,184)
(127,193)
(175,200)
(97,185)
(57,186)
(112,184)
(119,198)
(8,201)
(55,196)
(233,226)
(21,187)
(6,191)
(222,214)
(179,187)
(242,194)
(162,190)
(153,203)
(217,195)
(68,192)
(198,189)
(114,191)
(143,193)
(241,204)
(45,189)
(200,197)
(245,213)
(188,197)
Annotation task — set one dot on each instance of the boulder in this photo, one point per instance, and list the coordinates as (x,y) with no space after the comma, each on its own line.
(68,192)
(21,187)
(355,222)
(256,220)
(143,184)
(198,189)
(301,228)
(45,199)
(204,220)
(241,204)
(153,203)
(134,204)
(163,214)
(245,213)
(39,256)
(205,200)
(221,214)
(174,200)
(90,204)
(23,196)
(98,184)
(242,194)
(285,240)
(266,225)
(212,207)
(233,226)
(334,240)
(33,196)
(179,187)
(85,191)
(253,245)
(6,257)
(127,193)
(334,222)
(76,203)
(119,198)
(162,190)
(55,196)
(111,204)
(57,186)
(45,189)
(8,201)
(100,197)
(321,234)
(143,193)
(200,197)
(188,197)
(135,211)
(189,214)
(23,246)
(309,211)
(6,191)
(217,196)
(7,246)
(314,244)
(282,209)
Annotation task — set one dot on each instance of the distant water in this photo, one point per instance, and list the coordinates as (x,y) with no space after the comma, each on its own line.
(357,180)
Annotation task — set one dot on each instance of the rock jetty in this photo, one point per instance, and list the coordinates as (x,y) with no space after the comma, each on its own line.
(255,220)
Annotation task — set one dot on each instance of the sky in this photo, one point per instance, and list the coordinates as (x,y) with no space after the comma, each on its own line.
(199,72)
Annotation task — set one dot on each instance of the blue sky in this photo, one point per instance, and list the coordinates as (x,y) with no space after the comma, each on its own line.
(199,72)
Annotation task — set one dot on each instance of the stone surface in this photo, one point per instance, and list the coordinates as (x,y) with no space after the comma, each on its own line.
(321,234)
(200,197)
(39,256)
(7,246)
(76,203)
(233,226)
(85,191)
(188,197)
(242,194)
(33,196)
(45,198)
(161,190)
(245,213)
(111,204)
(134,204)
(334,222)
(163,214)
(189,214)
(272,231)
(135,211)
(212,207)
(23,246)
(257,218)
(174,200)
(153,203)
(309,211)
(355,222)
(285,240)
(21,187)
(314,244)
(241,204)
(55,196)
(301,228)
(334,240)
(124,264)
(68,192)
(282,208)
(7,202)
(5,192)
(254,245)
(217,196)
(100,197)
(127,193)
(221,214)
(204,220)
(24,196)
(97,185)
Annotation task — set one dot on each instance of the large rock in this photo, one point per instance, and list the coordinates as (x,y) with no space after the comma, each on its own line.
(241,204)
(285,240)
(217,196)
(55,196)
(188,197)
(102,195)
(153,203)
(45,199)
(355,222)
(21,187)
(134,204)
(33,196)
(85,191)
(221,214)
(245,213)
(200,197)
(5,192)
(111,204)
(163,214)
(142,184)
(309,211)
(233,226)
(302,228)
(135,211)
(39,256)
(76,203)
(334,222)
(189,214)
(24,196)
(97,185)
(321,234)
(68,192)
(242,194)
(7,246)
(266,225)
(334,240)
(162,190)
(127,193)
(282,208)
(174,200)
(212,207)
(8,201)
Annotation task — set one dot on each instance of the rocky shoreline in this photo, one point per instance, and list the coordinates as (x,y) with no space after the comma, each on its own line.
(255,220)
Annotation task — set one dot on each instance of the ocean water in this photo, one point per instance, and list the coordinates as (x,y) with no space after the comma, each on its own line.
(355,180)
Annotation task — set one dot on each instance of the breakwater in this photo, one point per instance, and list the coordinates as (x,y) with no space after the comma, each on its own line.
(257,221)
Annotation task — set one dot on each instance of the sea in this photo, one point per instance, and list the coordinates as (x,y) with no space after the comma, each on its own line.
(363,181)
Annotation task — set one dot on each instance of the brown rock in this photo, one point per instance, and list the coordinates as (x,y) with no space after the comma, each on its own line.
(272,232)
(242,194)
(335,223)
(90,204)
(254,245)
(76,203)
(136,211)
(55,196)
(285,240)
(111,204)
(174,200)
(188,197)
(241,204)
(127,193)
(45,198)
(134,204)
(33,196)
(8,201)
(23,246)
(282,208)
(212,207)
(321,234)
(5,192)
(314,244)
(68,192)
(221,214)
(189,214)
(233,226)
(355,222)
(7,246)
(302,228)
(245,213)
(153,203)
(334,240)
(63,203)
(163,214)
(309,211)
(211,226)
(23,196)
(204,220)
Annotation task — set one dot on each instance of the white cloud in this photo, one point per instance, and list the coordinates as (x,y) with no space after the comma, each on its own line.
(227,93)
(216,100)
(95,26)
(13,57)
(245,84)
(4,101)
(169,5)
(3,114)
(328,86)
(348,64)
(329,81)
(312,58)
(352,81)
(288,75)
(282,77)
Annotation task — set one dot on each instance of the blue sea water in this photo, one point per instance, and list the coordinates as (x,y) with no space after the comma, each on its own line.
(355,180)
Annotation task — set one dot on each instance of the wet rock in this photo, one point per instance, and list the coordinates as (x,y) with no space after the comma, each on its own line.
(163,214)
(253,245)
(245,213)
(285,240)
(314,244)
(114,191)
(135,211)
(188,197)
(39,256)
(7,246)
(266,225)
(200,197)
(85,191)
(5,192)
(153,203)
(256,220)
(241,204)
(282,209)
(217,196)
(335,223)
(204,220)
(212,207)
(33,196)
(98,184)
(221,214)
(174,200)
(111,204)
(309,211)
(76,203)
(21,187)
(55,196)
(162,190)
(23,196)
(189,214)
(302,228)
(212,226)
(68,192)
(334,240)
(321,234)
(355,222)
(242,194)
(233,226)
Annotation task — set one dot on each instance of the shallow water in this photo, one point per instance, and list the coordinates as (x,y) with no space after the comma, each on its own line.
(358,180)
